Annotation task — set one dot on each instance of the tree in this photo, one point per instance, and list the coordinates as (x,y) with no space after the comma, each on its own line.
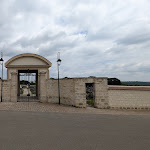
(114,81)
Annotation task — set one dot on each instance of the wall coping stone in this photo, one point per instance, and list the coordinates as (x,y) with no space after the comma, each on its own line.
(136,88)
(79,78)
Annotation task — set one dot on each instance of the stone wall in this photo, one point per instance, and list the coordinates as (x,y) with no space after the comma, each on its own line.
(9,89)
(129,97)
(101,93)
(6,90)
(73,91)
(66,91)
(80,92)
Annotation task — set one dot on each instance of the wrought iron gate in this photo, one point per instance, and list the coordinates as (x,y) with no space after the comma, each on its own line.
(27,86)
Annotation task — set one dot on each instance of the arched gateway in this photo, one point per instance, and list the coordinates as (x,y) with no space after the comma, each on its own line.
(27,65)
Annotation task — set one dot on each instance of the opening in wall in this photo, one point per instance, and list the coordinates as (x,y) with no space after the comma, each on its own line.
(90,94)
(27,85)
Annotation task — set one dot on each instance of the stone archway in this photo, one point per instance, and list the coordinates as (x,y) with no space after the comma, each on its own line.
(32,63)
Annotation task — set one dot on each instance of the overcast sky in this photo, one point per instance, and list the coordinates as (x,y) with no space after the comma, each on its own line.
(103,38)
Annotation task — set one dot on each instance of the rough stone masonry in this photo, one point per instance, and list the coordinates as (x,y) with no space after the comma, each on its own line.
(72,90)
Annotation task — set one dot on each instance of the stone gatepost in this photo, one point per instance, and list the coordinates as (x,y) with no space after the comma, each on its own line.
(42,95)
(101,93)
(80,92)
(13,93)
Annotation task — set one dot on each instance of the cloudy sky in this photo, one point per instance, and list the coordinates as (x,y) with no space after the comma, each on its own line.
(100,38)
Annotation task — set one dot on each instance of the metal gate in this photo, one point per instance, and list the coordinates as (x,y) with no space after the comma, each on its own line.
(27,86)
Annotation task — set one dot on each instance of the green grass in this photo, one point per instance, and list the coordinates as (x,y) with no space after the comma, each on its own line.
(33,91)
(90,102)
(21,92)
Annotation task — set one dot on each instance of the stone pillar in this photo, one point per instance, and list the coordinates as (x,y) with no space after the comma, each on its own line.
(13,93)
(80,93)
(101,93)
(42,94)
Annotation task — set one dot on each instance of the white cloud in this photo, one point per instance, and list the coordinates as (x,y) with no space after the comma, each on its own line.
(95,37)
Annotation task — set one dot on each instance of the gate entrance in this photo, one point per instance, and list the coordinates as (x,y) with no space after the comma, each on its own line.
(28,74)
(27,85)
(90,98)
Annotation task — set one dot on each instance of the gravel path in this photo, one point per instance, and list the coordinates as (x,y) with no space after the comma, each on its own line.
(47,107)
